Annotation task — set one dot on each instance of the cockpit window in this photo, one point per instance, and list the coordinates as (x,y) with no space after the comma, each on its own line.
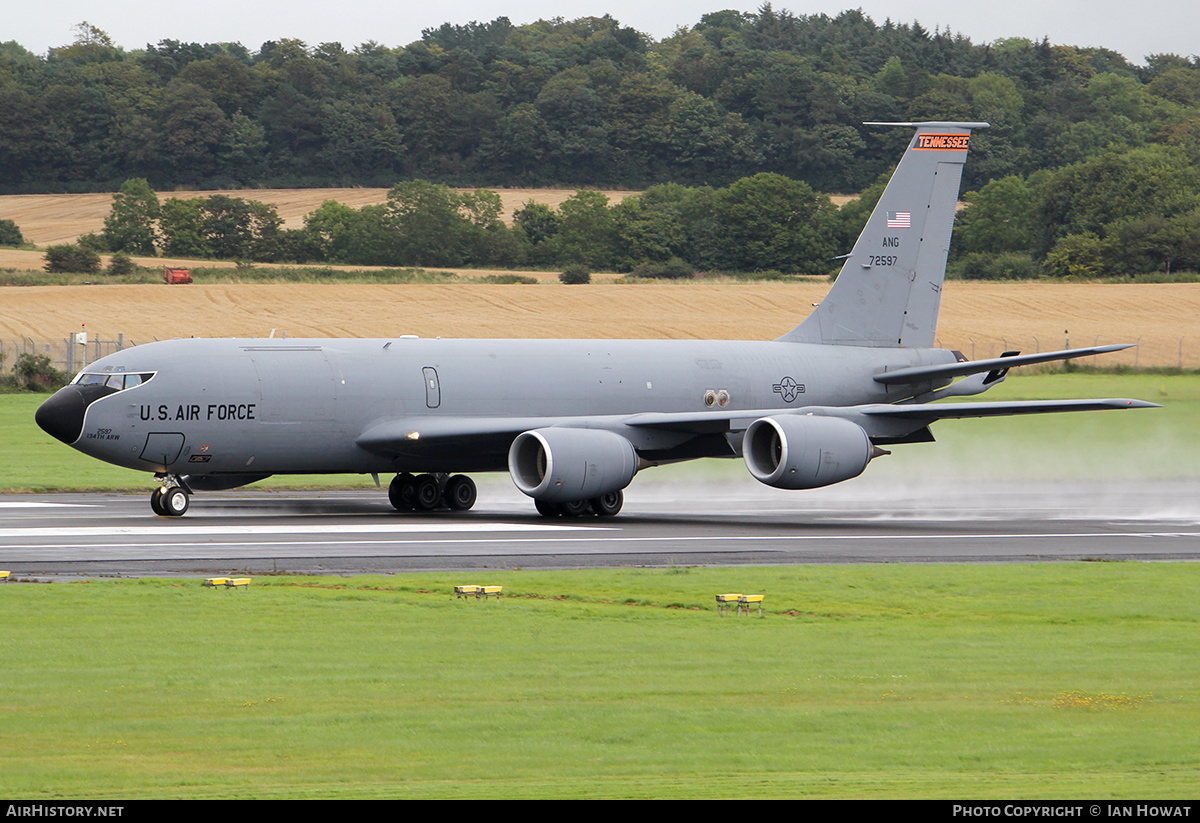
(115,381)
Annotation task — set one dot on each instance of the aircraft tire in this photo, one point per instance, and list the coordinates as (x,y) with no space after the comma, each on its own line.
(156,505)
(547,509)
(175,502)
(402,492)
(428,492)
(576,508)
(607,505)
(460,493)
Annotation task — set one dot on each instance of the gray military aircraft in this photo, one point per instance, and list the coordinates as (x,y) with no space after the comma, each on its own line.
(572,421)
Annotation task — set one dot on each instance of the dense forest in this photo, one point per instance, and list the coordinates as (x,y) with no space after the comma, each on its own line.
(1089,166)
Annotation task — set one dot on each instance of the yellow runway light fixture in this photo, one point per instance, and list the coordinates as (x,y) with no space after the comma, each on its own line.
(478,591)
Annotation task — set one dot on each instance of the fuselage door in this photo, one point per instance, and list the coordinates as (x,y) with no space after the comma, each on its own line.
(433,389)
(162,448)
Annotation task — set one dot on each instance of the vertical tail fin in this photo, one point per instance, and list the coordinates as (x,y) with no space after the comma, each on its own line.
(889,289)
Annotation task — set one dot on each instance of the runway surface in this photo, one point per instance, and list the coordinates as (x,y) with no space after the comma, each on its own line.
(252,531)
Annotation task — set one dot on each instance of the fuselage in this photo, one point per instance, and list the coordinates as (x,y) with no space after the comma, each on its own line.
(224,407)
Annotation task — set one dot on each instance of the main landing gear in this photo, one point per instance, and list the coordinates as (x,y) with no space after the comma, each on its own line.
(430,492)
(170,499)
(606,505)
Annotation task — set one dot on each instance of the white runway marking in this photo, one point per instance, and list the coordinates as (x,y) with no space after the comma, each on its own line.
(561,538)
(299,528)
(16,504)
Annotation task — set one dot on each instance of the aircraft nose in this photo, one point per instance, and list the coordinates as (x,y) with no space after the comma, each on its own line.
(62,415)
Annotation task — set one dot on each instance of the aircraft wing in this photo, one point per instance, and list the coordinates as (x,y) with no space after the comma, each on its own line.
(941,411)
(927,412)
(415,437)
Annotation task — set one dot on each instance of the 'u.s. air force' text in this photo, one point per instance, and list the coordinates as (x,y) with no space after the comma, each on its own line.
(195,411)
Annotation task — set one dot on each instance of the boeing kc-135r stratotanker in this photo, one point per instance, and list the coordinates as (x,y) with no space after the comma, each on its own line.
(571,420)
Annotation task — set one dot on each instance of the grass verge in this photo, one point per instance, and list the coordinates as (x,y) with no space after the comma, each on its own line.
(1050,681)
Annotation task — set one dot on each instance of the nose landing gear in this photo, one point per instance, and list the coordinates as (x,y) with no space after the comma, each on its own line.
(170,499)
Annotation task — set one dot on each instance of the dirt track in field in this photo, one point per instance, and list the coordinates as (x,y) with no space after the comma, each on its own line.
(982,320)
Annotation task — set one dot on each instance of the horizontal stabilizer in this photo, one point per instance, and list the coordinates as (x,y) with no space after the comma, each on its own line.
(918,374)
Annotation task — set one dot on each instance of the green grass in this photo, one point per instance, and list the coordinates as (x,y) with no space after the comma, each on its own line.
(1150,443)
(1141,443)
(1051,681)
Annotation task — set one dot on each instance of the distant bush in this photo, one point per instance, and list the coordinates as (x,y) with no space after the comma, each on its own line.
(673,269)
(509,278)
(1005,266)
(10,235)
(575,274)
(93,241)
(34,373)
(73,258)
(120,264)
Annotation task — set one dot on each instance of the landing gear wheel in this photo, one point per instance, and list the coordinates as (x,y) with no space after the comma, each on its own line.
(428,492)
(576,508)
(547,509)
(402,492)
(174,502)
(460,493)
(607,505)
(156,501)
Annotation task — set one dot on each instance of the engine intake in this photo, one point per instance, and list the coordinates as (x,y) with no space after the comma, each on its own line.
(562,465)
(805,452)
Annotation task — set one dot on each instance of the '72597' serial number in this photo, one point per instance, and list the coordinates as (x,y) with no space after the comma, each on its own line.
(881,260)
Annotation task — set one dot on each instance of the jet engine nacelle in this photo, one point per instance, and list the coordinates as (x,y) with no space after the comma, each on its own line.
(562,465)
(805,452)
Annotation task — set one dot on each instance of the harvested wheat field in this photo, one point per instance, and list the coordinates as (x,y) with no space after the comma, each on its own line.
(981,320)
(47,219)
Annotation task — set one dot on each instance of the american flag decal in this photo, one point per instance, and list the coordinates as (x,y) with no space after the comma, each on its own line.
(899,219)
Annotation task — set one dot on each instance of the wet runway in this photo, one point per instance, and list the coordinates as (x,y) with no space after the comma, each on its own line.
(257,531)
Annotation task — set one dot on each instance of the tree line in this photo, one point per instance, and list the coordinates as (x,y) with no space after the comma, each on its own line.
(1122,213)
(584,102)
(1088,168)
(764,222)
